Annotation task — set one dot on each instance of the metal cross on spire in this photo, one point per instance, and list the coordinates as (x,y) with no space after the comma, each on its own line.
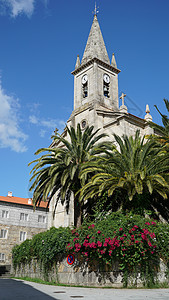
(95,12)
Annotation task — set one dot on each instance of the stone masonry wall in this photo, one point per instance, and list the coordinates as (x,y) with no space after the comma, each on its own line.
(83,275)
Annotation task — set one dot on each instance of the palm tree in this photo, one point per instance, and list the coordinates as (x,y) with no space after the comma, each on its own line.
(163,131)
(57,171)
(135,167)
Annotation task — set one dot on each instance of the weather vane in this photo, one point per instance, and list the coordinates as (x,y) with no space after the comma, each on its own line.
(96,11)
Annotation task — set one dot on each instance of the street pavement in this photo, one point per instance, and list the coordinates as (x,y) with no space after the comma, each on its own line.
(15,289)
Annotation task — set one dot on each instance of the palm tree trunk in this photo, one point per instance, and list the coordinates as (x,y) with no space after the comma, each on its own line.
(77,213)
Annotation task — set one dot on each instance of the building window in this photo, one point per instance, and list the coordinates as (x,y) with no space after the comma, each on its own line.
(3,234)
(22,236)
(85,86)
(106,84)
(23,217)
(42,219)
(83,124)
(85,90)
(5,214)
(2,257)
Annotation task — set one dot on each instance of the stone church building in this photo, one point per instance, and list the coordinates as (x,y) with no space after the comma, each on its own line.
(96,102)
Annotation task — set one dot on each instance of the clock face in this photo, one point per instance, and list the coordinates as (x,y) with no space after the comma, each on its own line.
(84,79)
(106,78)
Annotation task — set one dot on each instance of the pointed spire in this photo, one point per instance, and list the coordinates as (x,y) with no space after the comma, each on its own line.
(77,62)
(148,117)
(95,46)
(113,61)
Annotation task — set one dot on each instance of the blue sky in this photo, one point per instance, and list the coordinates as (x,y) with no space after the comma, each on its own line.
(39,43)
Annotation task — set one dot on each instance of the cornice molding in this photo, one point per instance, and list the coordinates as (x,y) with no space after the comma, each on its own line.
(100,62)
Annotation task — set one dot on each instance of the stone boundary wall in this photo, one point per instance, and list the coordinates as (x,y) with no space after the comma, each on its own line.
(81,274)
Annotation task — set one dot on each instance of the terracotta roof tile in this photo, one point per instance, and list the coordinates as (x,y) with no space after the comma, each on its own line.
(24,201)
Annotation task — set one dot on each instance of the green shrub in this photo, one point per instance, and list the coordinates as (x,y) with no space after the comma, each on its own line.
(45,247)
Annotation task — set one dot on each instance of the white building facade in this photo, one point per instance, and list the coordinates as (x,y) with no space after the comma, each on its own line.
(18,222)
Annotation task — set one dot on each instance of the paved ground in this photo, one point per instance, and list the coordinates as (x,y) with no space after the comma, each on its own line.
(11,289)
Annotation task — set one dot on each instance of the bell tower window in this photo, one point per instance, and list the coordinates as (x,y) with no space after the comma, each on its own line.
(85,86)
(106,84)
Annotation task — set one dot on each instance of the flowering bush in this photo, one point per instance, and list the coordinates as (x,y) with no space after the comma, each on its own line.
(131,244)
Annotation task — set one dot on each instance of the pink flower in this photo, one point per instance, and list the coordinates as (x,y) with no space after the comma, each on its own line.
(124,235)
(99,244)
(112,248)
(120,229)
(85,243)
(99,232)
(75,239)
(91,226)
(147,223)
(77,245)
(137,242)
(92,245)
(143,236)
(153,223)
(88,236)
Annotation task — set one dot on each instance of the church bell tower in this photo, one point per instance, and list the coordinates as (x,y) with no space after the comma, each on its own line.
(95,80)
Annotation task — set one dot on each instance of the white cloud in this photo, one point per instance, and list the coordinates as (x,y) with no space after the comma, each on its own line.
(47,125)
(17,7)
(42,133)
(33,119)
(21,6)
(11,136)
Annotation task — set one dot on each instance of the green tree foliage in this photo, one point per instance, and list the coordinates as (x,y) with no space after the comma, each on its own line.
(135,167)
(57,171)
(162,131)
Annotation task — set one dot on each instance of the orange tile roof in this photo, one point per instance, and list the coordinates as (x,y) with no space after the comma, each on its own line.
(24,201)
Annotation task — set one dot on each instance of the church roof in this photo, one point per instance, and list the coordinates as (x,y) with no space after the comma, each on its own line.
(95,46)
